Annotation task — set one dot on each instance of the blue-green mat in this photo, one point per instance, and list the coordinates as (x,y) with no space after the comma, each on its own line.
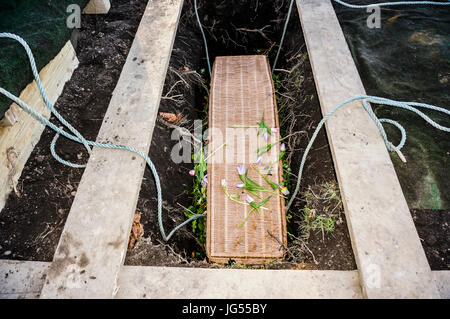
(43,25)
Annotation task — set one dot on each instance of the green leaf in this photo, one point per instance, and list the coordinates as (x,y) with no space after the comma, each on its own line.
(264,149)
(255,206)
(246,217)
(263,202)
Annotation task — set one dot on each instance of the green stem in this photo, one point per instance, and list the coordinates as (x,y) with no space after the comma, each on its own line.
(238,201)
(246,217)
(244,126)
(263,176)
(224,144)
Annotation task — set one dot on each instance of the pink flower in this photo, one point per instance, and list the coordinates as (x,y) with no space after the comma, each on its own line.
(274,130)
(192,172)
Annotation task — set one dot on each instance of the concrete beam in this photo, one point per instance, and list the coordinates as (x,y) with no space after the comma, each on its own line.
(388,252)
(168,283)
(94,241)
(18,140)
(19,279)
(97,7)
(25,279)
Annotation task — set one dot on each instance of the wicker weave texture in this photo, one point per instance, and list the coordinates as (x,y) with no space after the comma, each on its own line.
(241,91)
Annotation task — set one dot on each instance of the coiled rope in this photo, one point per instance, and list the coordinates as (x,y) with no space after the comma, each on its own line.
(410,106)
(77,137)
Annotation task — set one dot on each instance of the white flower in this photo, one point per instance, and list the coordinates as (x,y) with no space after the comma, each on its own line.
(205,181)
(274,129)
(240,185)
(249,199)
(224,182)
(258,160)
(283,147)
(266,136)
(241,169)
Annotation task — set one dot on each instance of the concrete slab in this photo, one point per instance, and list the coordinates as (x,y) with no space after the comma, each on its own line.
(22,279)
(97,7)
(18,141)
(93,244)
(388,252)
(442,279)
(25,280)
(180,283)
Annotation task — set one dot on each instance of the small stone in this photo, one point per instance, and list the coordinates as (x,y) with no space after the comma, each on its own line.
(73,193)
(7,253)
(40,158)
(431,240)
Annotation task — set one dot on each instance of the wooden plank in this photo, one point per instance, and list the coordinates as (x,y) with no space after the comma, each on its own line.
(241,90)
(10,118)
(93,244)
(97,7)
(388,252)
(19,140)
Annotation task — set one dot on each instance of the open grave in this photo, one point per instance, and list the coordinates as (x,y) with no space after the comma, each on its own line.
(84,249)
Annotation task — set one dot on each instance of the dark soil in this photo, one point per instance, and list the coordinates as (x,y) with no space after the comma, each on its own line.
(221,22)
(30,226)
(433,227)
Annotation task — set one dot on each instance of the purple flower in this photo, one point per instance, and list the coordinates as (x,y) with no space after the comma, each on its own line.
(205,181)
(240,185)
(192,172)
(266,136)
(258,160)
(241,169)
(283,147)
(284,190)
(249,199)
